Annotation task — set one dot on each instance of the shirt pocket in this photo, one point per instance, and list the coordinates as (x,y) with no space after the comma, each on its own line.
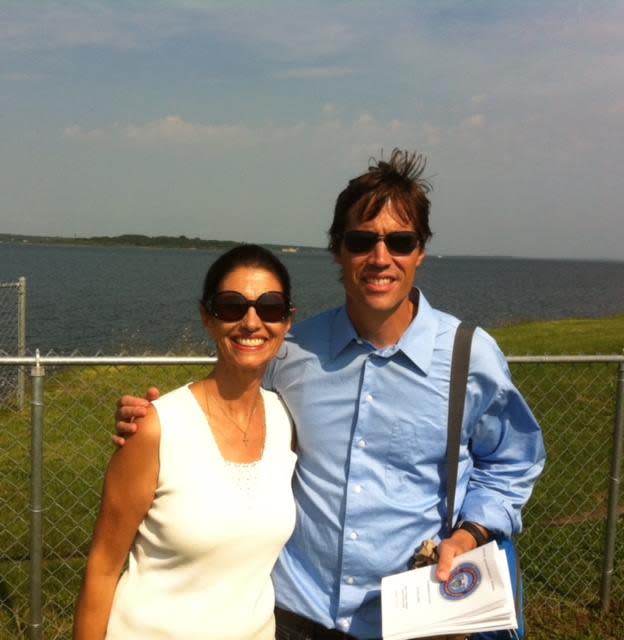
(416,455)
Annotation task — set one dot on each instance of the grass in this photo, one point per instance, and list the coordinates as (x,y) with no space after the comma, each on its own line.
(79,403)
(564,522)
(574,336)
(564,534)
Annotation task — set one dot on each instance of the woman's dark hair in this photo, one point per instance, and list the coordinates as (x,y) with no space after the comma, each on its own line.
(398,180)
(243,255)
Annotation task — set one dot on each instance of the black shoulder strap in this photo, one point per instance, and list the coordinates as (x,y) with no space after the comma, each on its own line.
(457,395)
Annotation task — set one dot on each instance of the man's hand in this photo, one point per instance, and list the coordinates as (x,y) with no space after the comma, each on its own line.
(129,408)
(460,542)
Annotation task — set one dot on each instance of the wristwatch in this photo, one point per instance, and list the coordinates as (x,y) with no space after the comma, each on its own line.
(474,531)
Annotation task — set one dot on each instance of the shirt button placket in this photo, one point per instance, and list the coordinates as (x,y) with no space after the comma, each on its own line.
(350,523)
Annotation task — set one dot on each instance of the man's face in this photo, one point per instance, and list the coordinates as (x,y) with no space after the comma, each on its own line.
(378,281)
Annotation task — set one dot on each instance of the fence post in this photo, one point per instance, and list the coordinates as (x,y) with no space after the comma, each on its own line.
(614,487)
(21,340)
(37,374)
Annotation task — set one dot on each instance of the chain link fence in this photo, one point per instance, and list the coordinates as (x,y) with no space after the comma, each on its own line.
(12,339)
(564,547)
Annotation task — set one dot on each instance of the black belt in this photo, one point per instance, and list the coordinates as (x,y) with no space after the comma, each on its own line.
(309,627)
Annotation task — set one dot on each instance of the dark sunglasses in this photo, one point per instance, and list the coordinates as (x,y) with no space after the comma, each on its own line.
(231,306)
(400,243)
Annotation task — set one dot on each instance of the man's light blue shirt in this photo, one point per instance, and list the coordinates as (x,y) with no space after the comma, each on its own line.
(369,481)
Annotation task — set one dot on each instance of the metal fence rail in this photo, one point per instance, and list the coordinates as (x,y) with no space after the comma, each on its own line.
(53,454)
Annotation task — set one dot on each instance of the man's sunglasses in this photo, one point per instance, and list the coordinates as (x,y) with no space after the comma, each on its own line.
(400,243)
(231,306)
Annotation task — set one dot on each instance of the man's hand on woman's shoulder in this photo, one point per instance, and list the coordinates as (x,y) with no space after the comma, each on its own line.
(129,408)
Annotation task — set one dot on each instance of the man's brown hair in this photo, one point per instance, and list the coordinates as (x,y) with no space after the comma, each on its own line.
(398,180)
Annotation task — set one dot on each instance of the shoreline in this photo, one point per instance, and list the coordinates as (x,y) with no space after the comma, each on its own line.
(199,244)
(137,241)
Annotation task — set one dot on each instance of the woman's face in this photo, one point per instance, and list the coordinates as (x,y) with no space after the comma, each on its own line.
(249,343)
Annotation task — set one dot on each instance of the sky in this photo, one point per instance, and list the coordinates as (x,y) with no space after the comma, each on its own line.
(244,120)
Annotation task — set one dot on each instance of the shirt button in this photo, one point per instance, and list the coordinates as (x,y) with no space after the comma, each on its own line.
(369,398)
(357,488)
(344,623)
(361,443)
(353,535)
(350,580)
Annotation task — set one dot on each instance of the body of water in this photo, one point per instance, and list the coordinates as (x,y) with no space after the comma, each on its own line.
(109,300)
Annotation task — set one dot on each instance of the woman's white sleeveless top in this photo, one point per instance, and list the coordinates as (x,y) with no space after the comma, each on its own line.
(201,562)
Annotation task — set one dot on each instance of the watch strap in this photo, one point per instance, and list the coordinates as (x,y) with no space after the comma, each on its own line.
(474,531)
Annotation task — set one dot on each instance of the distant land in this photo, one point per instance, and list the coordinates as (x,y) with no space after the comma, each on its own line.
(183,242)
(138,240)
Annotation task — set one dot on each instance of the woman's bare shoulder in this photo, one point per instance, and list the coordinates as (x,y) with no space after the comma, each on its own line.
(145,440)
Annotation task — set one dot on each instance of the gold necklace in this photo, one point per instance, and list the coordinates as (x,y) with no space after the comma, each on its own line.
(245,431)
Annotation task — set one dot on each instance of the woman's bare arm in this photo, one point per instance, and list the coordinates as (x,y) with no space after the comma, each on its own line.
(129,488)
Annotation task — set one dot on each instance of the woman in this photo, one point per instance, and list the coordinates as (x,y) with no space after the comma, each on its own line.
(210,470)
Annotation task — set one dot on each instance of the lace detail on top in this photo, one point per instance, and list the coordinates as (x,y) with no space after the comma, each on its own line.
(243,476)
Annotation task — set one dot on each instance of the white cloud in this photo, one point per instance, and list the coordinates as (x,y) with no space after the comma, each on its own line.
(305,73)
(75,132)
(358,137)
(365,120)
(175,129)
(431,135)
(475,121)
(597,29)
(329,109)
(29,26)
(616,109)
(307,33)
(16,76)
(312,31)
(170,129)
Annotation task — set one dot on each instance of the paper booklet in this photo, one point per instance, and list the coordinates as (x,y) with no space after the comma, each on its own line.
(476,597)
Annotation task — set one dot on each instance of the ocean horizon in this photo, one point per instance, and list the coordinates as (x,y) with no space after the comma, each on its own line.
(135,299)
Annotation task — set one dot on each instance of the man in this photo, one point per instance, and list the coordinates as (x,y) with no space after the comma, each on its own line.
(367,385)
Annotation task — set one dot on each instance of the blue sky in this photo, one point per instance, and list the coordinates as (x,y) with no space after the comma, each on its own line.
(243,120)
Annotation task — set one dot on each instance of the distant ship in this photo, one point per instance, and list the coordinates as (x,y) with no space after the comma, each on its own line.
(290,249)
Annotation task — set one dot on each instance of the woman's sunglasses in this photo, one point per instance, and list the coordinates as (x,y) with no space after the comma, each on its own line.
(400,243)
(231,306)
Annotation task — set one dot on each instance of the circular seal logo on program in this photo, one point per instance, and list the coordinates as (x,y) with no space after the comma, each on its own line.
(464,580)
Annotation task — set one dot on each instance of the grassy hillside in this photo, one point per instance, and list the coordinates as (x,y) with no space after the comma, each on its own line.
(584,336)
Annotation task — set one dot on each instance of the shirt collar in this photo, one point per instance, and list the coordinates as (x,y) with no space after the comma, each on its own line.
(342,332)
(417,343)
